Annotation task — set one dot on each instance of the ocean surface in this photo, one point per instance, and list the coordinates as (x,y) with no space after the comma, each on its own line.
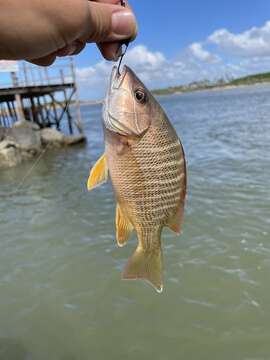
(61,293)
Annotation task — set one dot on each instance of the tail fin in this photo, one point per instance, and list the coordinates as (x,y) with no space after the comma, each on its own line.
(145,265)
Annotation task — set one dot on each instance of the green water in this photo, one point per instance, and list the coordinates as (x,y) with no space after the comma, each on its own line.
(61,297)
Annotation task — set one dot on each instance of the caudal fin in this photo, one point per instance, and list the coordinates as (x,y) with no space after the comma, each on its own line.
(145,265)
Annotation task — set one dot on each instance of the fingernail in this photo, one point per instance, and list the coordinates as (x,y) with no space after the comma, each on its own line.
(123,24)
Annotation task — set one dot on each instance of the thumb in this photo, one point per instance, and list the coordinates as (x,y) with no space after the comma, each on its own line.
(109,23)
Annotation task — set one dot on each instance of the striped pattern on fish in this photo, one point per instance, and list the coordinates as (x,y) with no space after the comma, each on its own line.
(146,163)
(149,179)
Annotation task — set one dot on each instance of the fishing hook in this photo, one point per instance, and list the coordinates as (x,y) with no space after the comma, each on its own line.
(125,42)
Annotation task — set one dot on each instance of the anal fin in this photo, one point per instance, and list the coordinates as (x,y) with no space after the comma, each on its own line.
(123,227)
(98,174)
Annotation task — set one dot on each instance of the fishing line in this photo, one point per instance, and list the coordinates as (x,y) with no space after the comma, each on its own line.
(32,168)
(29,172)
(121,57)
(125,42)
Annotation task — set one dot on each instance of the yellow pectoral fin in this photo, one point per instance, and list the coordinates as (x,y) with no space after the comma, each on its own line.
(123,227)
(176,220)
(98,174)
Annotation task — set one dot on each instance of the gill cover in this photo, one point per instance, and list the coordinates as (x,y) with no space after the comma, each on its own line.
(127,107)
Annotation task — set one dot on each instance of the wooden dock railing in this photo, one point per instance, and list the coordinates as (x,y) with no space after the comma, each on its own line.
(41,95)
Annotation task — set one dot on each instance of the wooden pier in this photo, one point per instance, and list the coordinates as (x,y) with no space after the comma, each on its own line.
(43,96)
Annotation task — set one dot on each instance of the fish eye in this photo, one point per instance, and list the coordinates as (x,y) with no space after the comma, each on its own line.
(140,96)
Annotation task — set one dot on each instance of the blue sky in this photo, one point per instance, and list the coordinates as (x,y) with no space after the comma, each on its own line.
(183,41)
(169,26)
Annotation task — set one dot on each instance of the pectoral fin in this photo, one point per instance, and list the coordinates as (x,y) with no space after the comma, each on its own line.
(175,222)
(98,174)
(123,227)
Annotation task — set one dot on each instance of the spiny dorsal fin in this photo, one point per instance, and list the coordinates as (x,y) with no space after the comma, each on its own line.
(98,174)
(175,221)
(123,227)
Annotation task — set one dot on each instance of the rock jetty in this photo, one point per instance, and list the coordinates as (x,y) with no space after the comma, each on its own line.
(26,140)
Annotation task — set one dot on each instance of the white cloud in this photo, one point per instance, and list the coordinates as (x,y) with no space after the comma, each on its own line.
(252,42)
(94,74)
(197,50)
(153,68)
(92,80)
(245,53)
(147,64)
(140,56)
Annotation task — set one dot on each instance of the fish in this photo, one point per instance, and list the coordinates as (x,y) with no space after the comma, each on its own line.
(146,163)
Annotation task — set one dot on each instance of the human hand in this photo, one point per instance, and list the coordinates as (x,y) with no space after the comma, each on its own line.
(38,31)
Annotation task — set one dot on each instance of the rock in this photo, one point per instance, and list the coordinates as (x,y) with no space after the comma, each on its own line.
(51,137)
(73,140)
(10,154)
(26,134)
(7,143)
(26,140)
(55,138)
(26,124)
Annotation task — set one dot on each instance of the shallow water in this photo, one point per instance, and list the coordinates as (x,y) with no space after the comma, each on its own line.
(61,297)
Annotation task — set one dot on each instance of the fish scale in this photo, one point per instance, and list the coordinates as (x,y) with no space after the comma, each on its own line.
(146,163)
(129,184)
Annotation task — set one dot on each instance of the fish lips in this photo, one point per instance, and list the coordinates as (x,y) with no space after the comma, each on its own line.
(110,121)
(113,110)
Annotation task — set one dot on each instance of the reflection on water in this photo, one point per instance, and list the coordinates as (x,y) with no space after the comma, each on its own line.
(61,296)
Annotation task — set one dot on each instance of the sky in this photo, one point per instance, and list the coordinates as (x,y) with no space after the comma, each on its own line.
(183,41)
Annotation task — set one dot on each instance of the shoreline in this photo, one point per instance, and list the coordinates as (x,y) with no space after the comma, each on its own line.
(186,91)
(91,102)
(210,88)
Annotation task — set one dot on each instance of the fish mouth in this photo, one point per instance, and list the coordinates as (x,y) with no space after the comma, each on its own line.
(116,78)
(110,121)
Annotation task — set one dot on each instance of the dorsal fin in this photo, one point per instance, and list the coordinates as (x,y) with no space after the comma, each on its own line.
(175,221)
